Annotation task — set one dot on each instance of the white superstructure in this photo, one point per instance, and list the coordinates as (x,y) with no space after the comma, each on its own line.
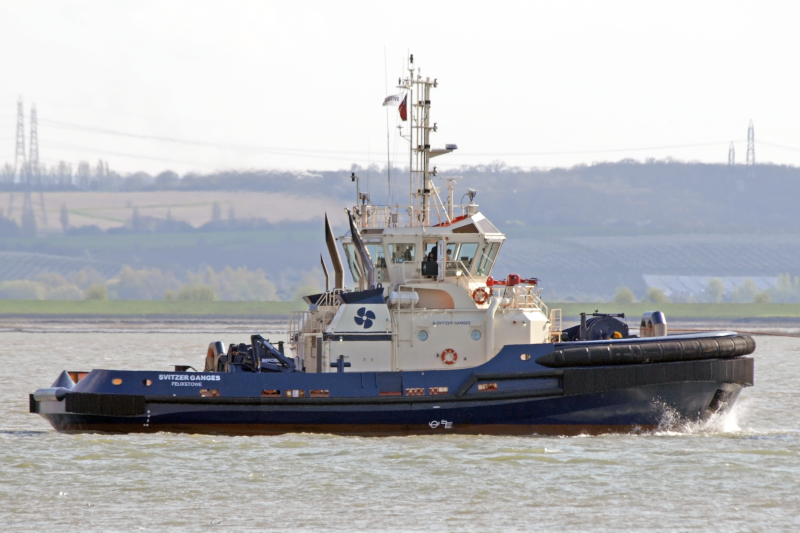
(424,296)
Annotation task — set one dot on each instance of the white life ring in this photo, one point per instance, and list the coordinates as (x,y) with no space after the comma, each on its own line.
(449,356)
(481,295)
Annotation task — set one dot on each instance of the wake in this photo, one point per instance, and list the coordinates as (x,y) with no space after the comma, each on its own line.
(724,421)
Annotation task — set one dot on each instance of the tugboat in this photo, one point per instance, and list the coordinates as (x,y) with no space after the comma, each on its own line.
(428,341)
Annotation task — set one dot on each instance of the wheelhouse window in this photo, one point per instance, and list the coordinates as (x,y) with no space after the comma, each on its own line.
(352,261)
(459,257)
(466,254)
(401,252)
(376,253)
(487,258)
(450,251)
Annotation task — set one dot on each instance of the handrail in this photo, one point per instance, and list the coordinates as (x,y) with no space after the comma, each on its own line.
(524,297)
(315,321)
(387,216)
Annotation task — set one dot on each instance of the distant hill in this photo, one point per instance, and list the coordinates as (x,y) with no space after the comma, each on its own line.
(625,194)
(583,230)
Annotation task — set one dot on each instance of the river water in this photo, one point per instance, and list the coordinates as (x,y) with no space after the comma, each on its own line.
(740,472)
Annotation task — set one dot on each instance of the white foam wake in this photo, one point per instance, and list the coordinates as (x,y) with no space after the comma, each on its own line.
(672,423)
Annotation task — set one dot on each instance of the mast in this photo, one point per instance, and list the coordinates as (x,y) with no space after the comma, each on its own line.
(420,185)
(423,196)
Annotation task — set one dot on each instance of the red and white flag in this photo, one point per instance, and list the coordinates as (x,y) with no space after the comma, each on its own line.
(394,99)
(403,114)
(398,100)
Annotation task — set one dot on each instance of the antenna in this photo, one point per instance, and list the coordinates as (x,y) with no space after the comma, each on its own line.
(451,186)
(751,149)
(388,152)
(731,155)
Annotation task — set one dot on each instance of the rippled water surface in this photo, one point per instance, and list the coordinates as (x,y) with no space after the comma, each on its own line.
(738,473)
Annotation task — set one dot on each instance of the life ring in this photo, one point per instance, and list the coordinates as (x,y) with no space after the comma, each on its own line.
(481,295)
(449,352)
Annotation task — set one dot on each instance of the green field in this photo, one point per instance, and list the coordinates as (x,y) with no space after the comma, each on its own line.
(676,310)
(144,308)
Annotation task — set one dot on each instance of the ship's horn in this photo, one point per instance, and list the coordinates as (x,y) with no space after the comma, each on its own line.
(338,267)
(363,253)
(325,270)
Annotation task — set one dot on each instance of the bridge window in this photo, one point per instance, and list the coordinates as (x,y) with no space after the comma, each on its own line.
(466,254)
(401,252)
(486,260)
(376,253)
(352,261)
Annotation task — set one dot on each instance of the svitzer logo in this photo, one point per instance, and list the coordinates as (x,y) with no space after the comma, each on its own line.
(364,318)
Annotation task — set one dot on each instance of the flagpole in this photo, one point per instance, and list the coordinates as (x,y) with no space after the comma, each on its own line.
(388,152)
(411,139)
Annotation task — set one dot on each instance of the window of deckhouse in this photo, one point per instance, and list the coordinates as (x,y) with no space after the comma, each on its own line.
(486,259)
(466,254)
(352,261)
(401,252)
(378,259)
(451,252)
(376,253)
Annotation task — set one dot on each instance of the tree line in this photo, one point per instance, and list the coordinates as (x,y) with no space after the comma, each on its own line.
(786,291)
(228,284)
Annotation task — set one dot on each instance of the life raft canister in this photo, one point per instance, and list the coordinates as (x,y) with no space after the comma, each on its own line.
(449,356)
(481,295)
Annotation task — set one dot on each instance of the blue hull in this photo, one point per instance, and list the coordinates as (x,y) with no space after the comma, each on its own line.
(510,395)
(616,411)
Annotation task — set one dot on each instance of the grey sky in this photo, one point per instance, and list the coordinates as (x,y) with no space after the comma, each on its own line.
(300,84)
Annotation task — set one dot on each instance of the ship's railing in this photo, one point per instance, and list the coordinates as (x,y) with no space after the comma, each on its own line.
(316,319)
(523,297)
(329,299)
(392,216)
(302,322)
(457,269)
(555,325)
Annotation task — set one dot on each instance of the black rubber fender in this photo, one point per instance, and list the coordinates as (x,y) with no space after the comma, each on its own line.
(650,352)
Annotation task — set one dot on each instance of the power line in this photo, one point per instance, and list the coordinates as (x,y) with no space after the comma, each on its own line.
(779,146)
(83,149)
(104,131)
(605,151)
(139,156)
(343,155)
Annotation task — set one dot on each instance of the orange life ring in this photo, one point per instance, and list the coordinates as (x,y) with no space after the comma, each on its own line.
(481,295)
(447,352)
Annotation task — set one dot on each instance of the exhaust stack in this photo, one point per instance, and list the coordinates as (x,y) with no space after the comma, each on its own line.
(338,267)
(325,270)
(363,253)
